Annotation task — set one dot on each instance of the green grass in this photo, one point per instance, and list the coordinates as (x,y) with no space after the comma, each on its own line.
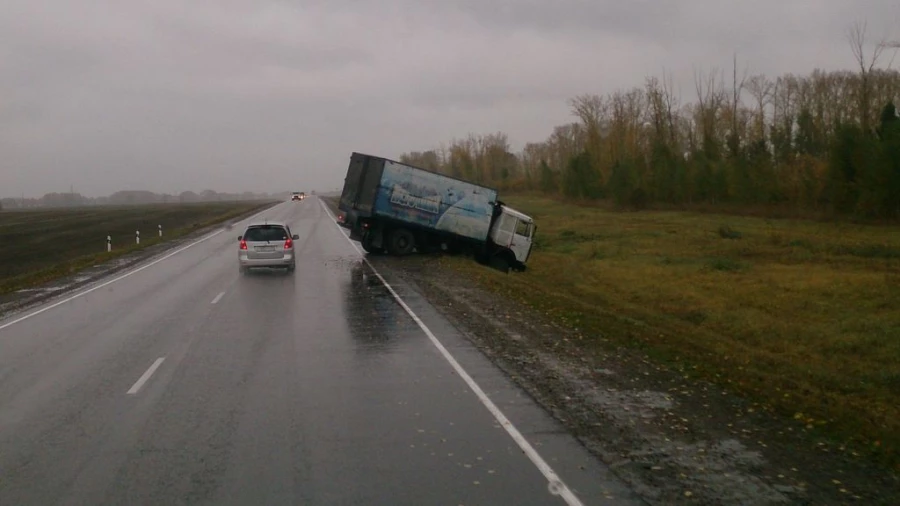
(40,246)
(803,316)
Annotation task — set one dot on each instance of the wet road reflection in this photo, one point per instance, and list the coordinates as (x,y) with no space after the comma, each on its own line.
(376,322)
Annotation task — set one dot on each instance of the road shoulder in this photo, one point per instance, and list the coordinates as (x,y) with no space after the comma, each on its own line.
(674,439)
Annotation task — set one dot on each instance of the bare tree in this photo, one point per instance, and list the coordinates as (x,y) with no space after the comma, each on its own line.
(565,142)
(671,100)
(761,88)
(710,98)
(734,138)
(895,44)
(593,111)
(661,105)
(856,36)
(589,109)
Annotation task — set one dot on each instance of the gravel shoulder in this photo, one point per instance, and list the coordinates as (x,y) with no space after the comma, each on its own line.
(674,439)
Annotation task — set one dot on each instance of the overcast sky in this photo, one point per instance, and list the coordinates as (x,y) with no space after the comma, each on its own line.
(268,95)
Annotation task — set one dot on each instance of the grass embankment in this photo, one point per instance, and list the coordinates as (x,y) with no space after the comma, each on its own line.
(802,316)
(40,246)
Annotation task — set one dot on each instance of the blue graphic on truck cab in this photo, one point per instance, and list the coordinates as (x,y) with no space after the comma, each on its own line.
(435,201)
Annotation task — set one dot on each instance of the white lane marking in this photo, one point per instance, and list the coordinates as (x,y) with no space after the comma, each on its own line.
(123,276)
(218,298)
(143,379)
(554,483)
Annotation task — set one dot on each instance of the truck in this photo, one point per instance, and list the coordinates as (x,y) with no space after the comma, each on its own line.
(398,209)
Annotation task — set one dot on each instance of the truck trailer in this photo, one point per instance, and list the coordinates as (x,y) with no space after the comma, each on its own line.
(395,208)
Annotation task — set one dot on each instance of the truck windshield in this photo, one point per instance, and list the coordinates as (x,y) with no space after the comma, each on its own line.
(523,228)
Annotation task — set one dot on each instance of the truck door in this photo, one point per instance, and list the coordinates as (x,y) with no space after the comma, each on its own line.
(515,231)
(521,241)
(504,230)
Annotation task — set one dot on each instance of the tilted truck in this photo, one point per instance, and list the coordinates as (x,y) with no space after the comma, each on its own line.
(395,208)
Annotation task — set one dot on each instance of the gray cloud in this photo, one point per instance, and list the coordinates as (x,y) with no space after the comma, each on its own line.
(169,95)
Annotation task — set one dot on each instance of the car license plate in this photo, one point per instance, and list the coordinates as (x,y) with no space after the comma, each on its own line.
(265,248)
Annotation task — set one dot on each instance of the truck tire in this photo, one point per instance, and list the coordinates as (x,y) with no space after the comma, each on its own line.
(500,261)
(401,242)
(367,245)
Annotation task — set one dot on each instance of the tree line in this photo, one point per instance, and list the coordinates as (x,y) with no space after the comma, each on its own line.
(825,142)
(129,197)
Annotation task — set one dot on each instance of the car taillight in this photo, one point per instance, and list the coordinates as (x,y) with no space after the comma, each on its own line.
(243,244)
(288,244)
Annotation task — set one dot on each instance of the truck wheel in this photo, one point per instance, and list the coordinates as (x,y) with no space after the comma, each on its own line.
(401,242)
(367,245)
(500,262)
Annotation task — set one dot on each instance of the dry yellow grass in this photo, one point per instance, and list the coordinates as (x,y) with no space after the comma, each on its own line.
(802,315)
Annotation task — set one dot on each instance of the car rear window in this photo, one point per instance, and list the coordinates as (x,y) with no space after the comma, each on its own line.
(266,233)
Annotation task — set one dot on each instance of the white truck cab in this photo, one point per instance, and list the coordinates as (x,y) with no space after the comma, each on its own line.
(514,231)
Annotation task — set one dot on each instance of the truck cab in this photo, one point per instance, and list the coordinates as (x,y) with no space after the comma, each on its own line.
(512,234)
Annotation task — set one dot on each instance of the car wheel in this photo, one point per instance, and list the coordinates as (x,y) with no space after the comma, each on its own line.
(242,270)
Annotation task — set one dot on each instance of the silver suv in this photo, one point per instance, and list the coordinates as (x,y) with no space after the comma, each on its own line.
(269,244)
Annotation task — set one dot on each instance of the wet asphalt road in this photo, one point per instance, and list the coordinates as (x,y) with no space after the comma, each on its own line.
(188,383)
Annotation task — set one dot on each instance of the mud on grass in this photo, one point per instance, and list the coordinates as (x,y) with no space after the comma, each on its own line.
(671,435)
(41,246)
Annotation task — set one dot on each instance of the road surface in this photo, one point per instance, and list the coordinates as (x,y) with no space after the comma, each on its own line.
(185,382)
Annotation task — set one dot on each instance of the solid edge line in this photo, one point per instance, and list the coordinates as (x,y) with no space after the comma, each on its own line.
(146,376)
(123,276)
(555,483)
(218,298)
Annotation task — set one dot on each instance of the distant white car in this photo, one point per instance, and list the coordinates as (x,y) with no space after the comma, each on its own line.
(269,244)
